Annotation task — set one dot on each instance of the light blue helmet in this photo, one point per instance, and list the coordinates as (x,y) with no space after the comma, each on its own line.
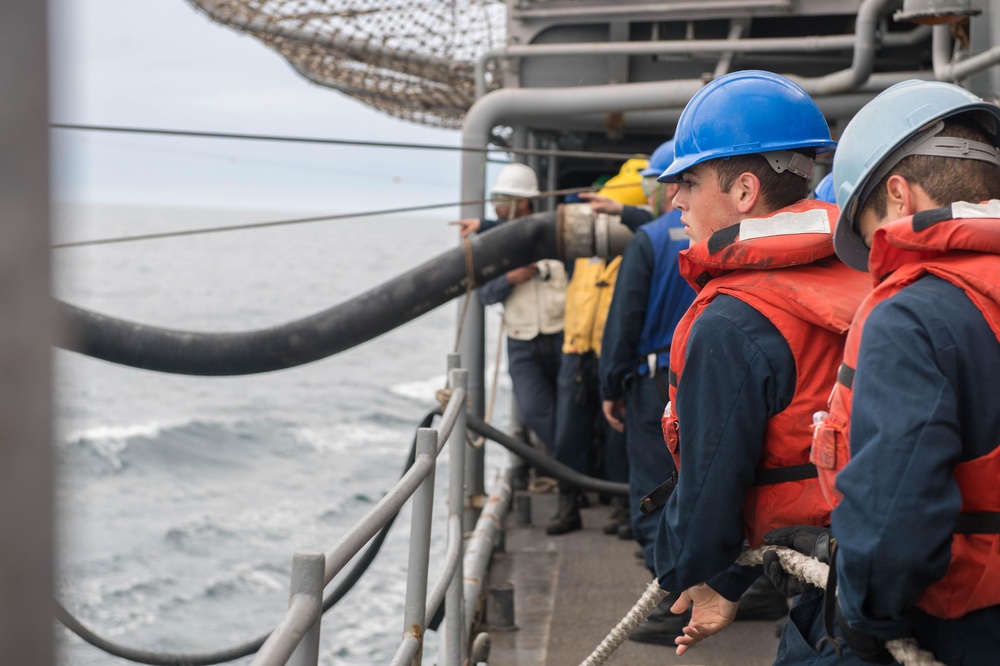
(744,113)
(660,159)
(897,123)
(824,191)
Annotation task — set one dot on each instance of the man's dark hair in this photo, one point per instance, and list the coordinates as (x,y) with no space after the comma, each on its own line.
(777,190)
(945,179)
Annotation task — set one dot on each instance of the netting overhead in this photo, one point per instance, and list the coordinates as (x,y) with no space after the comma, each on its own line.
(413,59)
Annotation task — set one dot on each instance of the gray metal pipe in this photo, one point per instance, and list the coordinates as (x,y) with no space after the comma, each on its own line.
(304,611)
(407,651)
(866,36)
(953,72)
(307,583)
(363,530)
(662,9)
(808,44)
(479,548)
(454,610)
(450,575)
(414,611)
(27,551)
(456,405)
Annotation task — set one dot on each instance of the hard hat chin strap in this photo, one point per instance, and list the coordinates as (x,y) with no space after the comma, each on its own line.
(928,142)
(789,160)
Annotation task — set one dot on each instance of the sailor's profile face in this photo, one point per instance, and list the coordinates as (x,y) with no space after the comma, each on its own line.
(704,207)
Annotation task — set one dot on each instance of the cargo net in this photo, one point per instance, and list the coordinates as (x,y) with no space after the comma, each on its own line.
(413,59)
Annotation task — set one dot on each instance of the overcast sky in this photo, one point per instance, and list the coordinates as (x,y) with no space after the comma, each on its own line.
(162,64)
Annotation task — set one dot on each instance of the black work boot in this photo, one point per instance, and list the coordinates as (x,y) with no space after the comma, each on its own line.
(619,515)
(567,518)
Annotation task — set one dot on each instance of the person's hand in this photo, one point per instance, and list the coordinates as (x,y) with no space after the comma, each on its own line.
(807,539)
(469,225)
(869,649)
(602,204)
(711,613)
(614,411)
(522,274)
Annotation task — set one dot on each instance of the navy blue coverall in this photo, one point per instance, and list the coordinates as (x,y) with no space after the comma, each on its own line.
(649,299)
(580,422)
(928,359)
(739,373)
(533,364)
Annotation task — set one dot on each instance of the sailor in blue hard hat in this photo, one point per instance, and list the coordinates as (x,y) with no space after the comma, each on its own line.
(754,356)
(824,190)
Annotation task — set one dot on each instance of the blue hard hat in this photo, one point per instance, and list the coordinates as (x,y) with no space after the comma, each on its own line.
(744,113)
(824,191)
(873,138)
(660,159)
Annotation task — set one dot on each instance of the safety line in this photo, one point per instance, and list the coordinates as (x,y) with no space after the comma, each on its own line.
(305,220)
(345,142)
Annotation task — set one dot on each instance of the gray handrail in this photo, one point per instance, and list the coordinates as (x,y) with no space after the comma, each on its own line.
(297,635)
(295,641)
(349,544)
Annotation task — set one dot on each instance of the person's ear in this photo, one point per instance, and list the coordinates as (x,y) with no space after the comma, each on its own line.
(745,192)
(900,197)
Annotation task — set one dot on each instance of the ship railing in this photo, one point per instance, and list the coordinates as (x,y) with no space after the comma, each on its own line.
(295,640)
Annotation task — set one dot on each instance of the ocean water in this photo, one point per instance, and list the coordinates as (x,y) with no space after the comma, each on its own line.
(181,500)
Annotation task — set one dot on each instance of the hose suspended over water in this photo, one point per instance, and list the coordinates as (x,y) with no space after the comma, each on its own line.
(377,311)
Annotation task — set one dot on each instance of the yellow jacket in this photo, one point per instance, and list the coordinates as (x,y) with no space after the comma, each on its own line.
(588,298)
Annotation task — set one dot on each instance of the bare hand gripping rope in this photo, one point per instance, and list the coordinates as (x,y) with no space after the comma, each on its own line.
(904,650)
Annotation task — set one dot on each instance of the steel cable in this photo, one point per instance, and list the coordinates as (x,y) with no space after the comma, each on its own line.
(345,142)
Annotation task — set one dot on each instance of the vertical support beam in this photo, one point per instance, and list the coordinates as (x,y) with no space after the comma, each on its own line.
(985,34)
(415,610)
(618,31)
(307,581)
(26,339)
(552,173)
(454,601)
(471,346)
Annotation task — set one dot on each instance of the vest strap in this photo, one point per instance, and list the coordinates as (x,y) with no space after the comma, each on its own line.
(845,375)
(772,475)
(977,522)
(672,377)
(659,495)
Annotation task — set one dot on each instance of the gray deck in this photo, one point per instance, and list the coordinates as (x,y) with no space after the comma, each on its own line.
(570,590)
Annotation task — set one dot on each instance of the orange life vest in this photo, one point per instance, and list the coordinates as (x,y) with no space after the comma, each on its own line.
(784,267)
(963,252)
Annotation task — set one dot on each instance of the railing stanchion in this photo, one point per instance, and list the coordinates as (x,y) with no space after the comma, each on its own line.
(307,581)
(415,613)
(454,609)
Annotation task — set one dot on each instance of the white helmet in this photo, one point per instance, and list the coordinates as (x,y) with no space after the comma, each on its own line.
(516,180)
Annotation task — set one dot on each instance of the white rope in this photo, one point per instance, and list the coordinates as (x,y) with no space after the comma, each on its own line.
(807,569)
(647,602)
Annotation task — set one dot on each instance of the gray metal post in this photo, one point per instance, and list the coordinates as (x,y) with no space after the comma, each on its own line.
(471,346)
(414,614)
(985,36)
(26,339)
(307,581)
(454,603)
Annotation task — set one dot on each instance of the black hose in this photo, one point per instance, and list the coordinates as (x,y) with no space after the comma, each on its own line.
(250,647)
(538,459)
(323,334)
